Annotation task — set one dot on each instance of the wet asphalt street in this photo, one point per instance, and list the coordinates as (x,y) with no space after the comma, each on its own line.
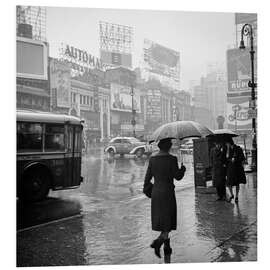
(107,220)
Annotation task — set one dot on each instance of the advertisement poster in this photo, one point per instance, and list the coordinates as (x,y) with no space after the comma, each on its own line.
(239,69)
(162,60)
(238,117)
(121,99)
(60,83)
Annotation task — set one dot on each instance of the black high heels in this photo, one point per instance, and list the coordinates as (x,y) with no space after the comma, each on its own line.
(157,243)
(167,248)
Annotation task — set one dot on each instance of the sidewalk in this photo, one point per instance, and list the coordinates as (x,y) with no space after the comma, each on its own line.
(107,233)
(215,231)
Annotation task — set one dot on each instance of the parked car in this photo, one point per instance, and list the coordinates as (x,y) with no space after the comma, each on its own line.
(128,145)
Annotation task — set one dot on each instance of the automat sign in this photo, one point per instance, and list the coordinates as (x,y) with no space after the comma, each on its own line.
(80,60)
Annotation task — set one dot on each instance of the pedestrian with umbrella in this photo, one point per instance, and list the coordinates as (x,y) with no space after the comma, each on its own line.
(235,169)
(163,167)
(218,160)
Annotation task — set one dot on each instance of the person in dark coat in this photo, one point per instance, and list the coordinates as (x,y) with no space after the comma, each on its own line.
(218,162)
(164,168)
(235,170)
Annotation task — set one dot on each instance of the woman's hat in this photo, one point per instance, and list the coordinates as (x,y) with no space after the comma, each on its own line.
(165,142)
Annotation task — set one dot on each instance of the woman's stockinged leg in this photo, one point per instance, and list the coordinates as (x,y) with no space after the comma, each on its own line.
(164,235)
(237,192)
(231,191)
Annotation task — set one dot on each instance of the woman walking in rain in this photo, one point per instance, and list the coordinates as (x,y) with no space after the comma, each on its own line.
(164,168)
(235,170)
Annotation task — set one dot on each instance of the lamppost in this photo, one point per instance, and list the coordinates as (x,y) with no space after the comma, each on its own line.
(248,31)
(133,121)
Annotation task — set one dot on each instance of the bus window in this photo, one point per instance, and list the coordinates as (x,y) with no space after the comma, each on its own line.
(29,137)
(54,137)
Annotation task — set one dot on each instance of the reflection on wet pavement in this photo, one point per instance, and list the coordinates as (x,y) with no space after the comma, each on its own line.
(115,227)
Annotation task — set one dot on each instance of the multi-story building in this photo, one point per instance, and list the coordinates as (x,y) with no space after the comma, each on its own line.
(123,84)
(84,95)
(210,96)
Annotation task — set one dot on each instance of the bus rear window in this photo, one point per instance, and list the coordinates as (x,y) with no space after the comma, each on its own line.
(54,138)
(29,137)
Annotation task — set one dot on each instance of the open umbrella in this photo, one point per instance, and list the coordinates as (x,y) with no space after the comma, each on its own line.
(180,130)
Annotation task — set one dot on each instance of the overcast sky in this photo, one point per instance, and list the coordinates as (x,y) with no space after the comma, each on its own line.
(200,37)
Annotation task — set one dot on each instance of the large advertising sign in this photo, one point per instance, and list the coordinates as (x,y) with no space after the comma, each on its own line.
(241,18)
(153,112)
(239,69)
(115,44)
(238,117)
(161,60)
(60,83)
(121,99)
(32,59)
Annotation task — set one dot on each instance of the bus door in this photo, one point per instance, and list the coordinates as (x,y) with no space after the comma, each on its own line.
(69,155)
(73,155)
(77,156)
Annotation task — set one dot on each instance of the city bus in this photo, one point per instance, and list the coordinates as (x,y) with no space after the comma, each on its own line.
(49,151)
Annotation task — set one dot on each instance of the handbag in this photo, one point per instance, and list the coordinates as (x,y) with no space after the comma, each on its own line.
(147,189)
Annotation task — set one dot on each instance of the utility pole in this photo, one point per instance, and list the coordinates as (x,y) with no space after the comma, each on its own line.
(248,31)
(133,121)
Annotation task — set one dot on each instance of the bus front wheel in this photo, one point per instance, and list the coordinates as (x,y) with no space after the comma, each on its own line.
(35,185)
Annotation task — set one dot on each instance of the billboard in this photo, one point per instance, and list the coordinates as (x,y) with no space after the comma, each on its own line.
(238,117)
(239,69)
(116,59)
(32,59)
(161,60)
(121,99)
(241,18)
(116,44)
(60,83)
(153,112)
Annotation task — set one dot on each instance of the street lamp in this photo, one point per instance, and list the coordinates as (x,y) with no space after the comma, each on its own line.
(248,31)
(133,121)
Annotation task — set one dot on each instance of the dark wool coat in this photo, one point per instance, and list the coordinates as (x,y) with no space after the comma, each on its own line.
(235,170)
(164,168)
(218,164)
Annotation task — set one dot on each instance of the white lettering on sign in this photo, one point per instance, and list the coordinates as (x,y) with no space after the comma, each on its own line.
(77,57)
